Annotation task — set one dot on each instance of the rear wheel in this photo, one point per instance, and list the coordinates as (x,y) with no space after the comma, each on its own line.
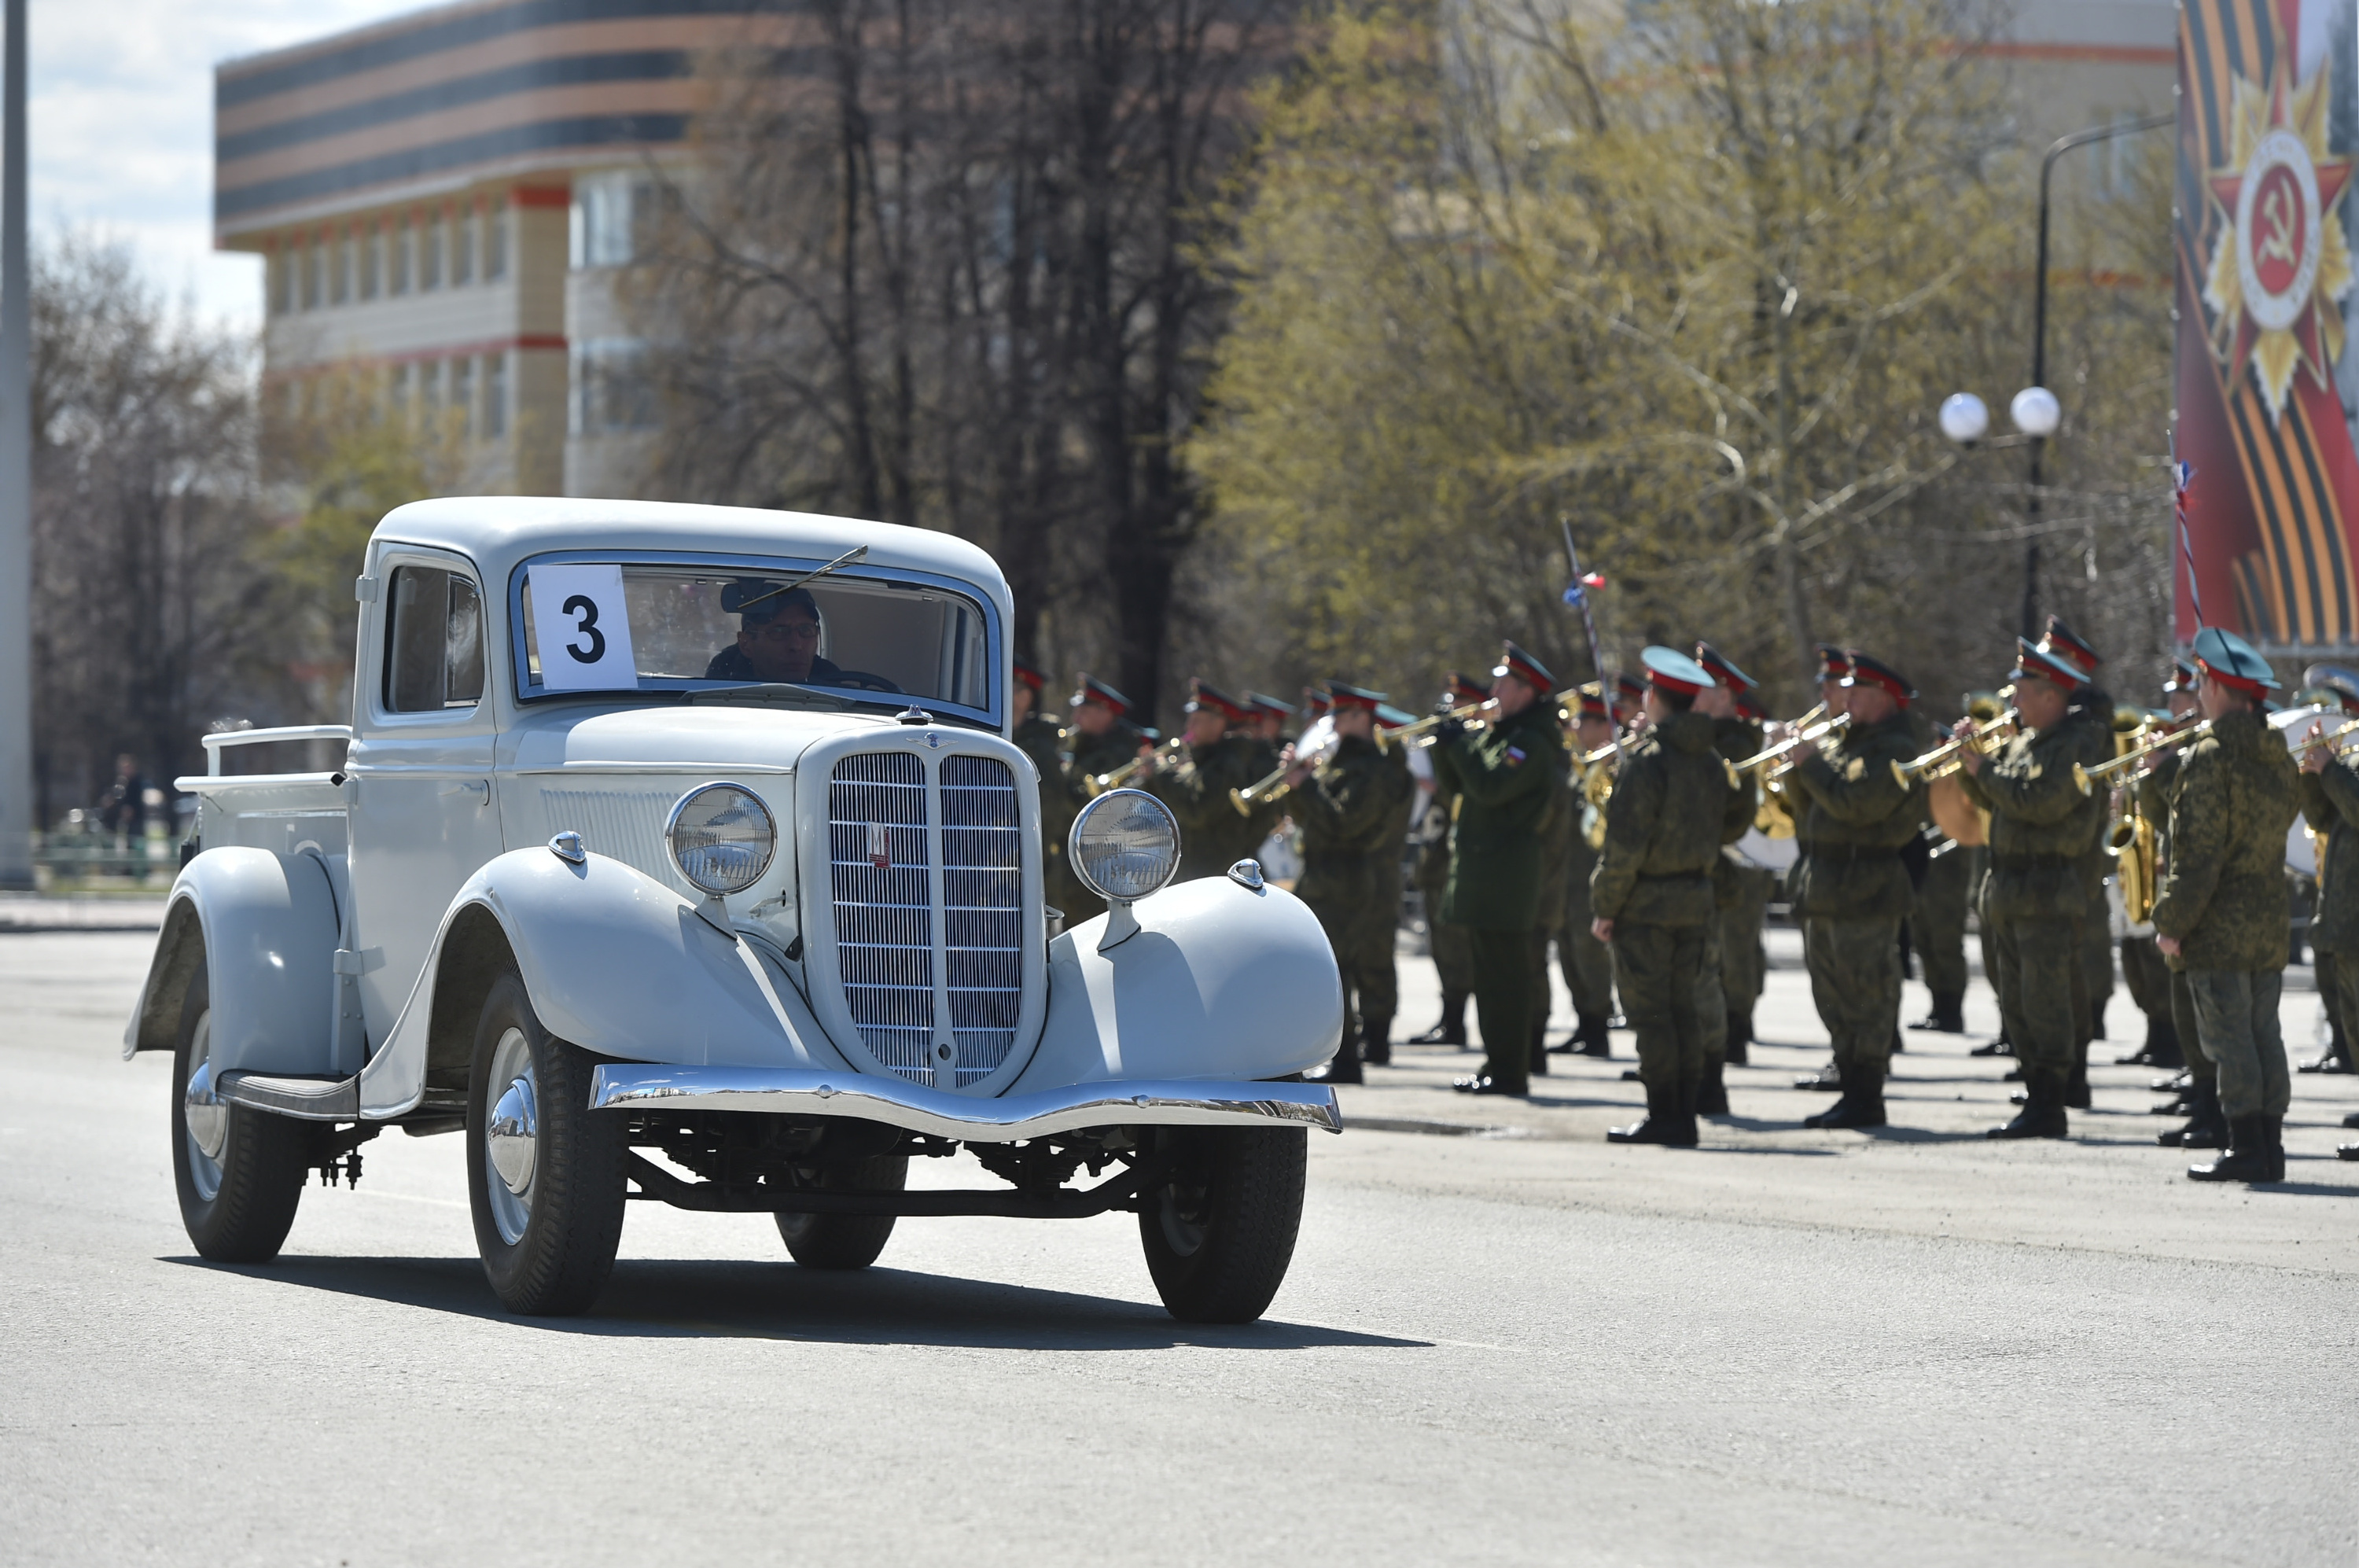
(239,1170)
(1219,1235)
(846,1241)
(544,1173)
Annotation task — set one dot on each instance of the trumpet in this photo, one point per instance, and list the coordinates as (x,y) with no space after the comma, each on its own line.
(2085,776)
(1944,759)
(1096,785)
(1391,737)
(1835,725)
(1316,744)
(2332,739)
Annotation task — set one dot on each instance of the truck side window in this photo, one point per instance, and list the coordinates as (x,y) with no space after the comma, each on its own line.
(434,651)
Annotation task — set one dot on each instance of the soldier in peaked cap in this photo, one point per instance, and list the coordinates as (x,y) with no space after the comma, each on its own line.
(1100,738)
(1851,887)
(1740,890)
(1346,806)
(1587,963)
(1269,717)
(2092,711)
(1042,739)
(1221,757)
(1453,954)
(2335,926)
(2199,1098)
(1510,778)
(1630,704)
(1652,891)
(1380,926)
(2035,900)
(2221,914)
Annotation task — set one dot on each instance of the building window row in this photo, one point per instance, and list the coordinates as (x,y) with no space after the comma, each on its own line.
(409,253)
(610,391)
(472,387)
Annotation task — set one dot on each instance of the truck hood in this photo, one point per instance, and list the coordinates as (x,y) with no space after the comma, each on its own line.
(675,738)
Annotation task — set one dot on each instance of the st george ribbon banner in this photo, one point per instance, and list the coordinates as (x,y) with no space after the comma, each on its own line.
(2267,389)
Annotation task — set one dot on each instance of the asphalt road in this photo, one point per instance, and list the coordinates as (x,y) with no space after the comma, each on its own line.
(1516,1345)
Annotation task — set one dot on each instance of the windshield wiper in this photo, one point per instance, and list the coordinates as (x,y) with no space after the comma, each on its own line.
(857,553)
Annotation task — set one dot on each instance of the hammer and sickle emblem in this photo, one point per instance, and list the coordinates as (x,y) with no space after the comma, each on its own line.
(2278,221)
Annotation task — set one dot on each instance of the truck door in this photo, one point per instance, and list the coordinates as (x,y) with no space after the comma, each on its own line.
(424,814)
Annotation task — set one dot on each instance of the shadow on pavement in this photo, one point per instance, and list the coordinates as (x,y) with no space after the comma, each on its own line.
(668,1299)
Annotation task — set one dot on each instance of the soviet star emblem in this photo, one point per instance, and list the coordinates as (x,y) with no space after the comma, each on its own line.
(2279,262)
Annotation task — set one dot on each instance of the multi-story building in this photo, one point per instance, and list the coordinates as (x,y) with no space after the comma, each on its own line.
(444,200)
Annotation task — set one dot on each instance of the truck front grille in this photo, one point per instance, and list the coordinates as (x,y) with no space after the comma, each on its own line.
(904,892)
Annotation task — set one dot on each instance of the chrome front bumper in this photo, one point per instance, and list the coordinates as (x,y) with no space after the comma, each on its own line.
(1156,1103)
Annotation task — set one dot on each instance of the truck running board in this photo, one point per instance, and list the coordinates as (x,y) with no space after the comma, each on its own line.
(307,1099)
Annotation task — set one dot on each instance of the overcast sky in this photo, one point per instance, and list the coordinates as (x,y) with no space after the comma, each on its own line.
(122,132)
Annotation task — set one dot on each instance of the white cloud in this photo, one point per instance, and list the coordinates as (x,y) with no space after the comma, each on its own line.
(122,123)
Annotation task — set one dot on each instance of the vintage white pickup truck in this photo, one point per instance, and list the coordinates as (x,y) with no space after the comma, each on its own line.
(679,852)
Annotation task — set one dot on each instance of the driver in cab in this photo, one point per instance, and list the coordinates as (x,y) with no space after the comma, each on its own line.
(777,637)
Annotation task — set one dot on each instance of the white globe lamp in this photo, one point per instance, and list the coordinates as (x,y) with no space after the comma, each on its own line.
(1965,419)
(2036,411)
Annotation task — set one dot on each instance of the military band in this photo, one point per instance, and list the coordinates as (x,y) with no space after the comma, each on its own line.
(1606,819)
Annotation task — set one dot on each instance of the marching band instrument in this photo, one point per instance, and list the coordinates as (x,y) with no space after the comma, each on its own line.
(1316,746)
(1099,784)
(1418,728)
(1945,759)
(1769,758)
(2168,738)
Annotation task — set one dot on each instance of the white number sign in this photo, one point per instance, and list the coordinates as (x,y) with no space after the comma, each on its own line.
(583,628)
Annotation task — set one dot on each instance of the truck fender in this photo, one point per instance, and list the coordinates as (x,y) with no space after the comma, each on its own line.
(265,927)
(1220,981)
(613,961)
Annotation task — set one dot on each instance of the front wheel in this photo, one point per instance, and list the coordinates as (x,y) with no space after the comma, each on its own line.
(239,1170)
(1219,1233)
(544,1173)
(846,1241)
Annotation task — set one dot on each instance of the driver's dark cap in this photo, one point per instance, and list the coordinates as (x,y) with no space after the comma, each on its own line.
(757,602)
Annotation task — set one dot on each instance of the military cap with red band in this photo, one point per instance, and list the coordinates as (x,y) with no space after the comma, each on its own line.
(1673,671)
(1202,695)
(1516,661)
(1833,663)
(1096,691)
(1867,671)
(1031,676)
(1315,702)
(1269,705)
(1348,696)
(2182,677)
(2064,643)
(1588,700)
(1463,690)
(2033,662)
(1629,692)
(2231,661)
(1716,665)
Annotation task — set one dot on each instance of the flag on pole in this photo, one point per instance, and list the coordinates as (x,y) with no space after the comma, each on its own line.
(2182,479)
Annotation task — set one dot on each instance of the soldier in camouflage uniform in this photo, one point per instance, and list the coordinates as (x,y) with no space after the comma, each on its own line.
(1510,777)
(1587,963)
(1937,915)
(2145,974)
(1222,756)
(1851,887)
(2330,801)
(1743,893)
(1100,739)
(1652,891)
(1834,668)
(1344,806)
(2092,717)
(1042,739)
(2340,686)
(2035,900)
(2222,915)
(1453,949)
(2205,1128)
(1557,829)
(1736,737)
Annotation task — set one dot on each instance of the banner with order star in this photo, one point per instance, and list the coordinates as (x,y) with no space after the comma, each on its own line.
(2267,106)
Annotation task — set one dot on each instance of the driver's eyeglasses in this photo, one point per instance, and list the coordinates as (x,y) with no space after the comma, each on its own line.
(788,631)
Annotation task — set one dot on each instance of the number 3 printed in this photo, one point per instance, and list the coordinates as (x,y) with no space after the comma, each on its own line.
(586,607)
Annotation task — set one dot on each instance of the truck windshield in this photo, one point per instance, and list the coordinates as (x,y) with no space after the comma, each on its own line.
(604,628)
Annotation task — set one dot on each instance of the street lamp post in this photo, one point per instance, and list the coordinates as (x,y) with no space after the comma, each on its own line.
(15,473)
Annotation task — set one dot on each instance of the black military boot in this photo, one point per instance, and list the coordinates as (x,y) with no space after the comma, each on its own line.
(1829,1077)
(1451,1029)
(2351,1120)
(2002,1046)
(2097,1021)
(2273,1127)
(2202,1116)
(2076,1088)
(2043,1113)
(2346,1151)
(1596,1035)
(2337,1058)
(1654,1126)
(1711,1096)
(2246,1158)
(2161,1047)
(1899,1045)
(1377,1043)
(1685,1134)
(1740,1035)
(1343,1067)
(1948,1016)
(1862,1105)
(1540,1054)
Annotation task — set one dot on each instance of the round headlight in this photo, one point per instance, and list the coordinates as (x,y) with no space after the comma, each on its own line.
(1123,846)
(721,838)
